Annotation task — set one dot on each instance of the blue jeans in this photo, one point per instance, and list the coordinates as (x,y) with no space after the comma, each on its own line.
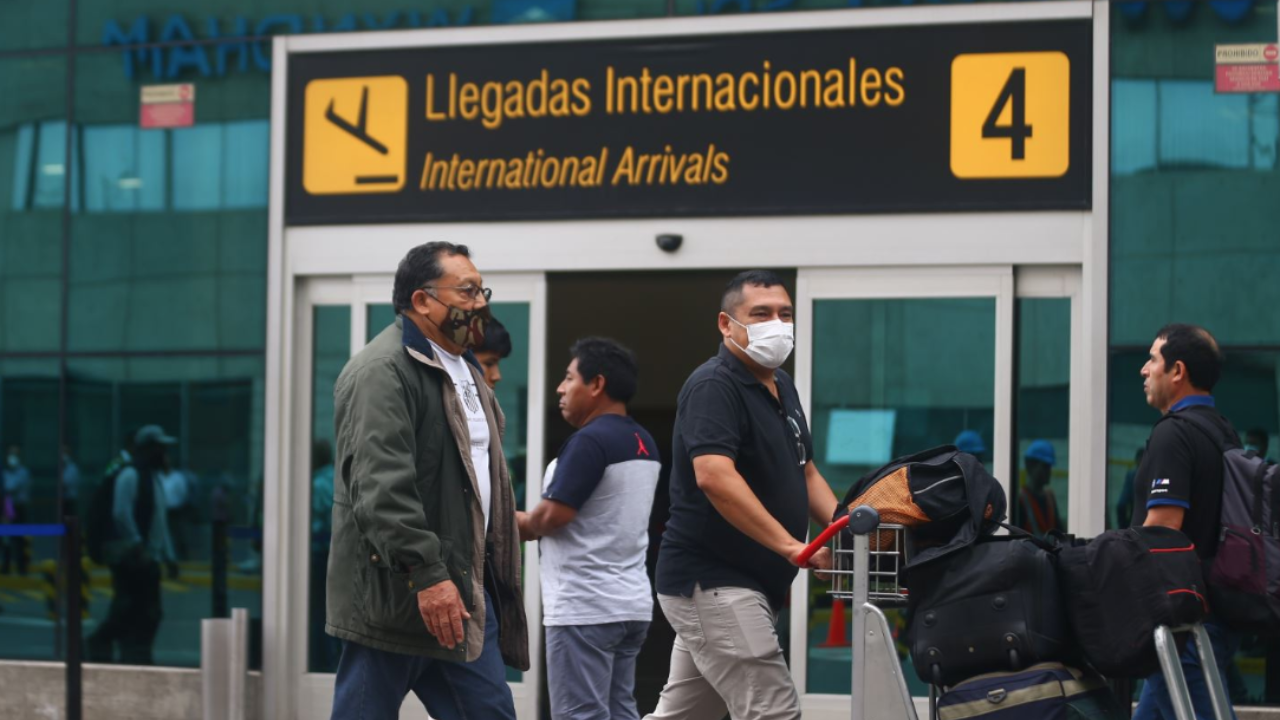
(1154,703)
(371,684)
(591,670)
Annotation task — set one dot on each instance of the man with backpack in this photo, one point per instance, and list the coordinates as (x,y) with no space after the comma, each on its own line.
(136,542)
(1179,482)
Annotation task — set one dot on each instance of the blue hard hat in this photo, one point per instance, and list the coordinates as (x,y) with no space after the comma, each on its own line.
(971,442)
(1042,450)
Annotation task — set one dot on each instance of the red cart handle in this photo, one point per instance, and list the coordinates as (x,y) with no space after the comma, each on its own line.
(803,558)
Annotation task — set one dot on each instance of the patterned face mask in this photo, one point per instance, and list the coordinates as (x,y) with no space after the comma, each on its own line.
(466,327)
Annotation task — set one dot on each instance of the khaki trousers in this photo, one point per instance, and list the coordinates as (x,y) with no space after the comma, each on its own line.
(726,658)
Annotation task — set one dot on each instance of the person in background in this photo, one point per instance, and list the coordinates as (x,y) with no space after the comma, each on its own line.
(17,490)
(139,547)
(594,529)
(1257,440)
(1037,508)
(124,457)
(324,650)
(179,499)
(1124,503)
(495,348)
(970,441)
(70,482)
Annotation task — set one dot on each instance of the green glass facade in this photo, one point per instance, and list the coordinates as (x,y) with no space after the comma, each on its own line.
(1195,232)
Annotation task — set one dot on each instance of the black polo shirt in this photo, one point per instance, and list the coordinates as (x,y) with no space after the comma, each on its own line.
(724,410)
(1182,466)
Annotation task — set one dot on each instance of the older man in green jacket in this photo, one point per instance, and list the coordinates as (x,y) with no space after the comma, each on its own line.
(424,566)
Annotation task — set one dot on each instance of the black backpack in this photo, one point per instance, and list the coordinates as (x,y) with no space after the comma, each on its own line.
(99,518)
(946,496)
(1244,574)
(1118,587)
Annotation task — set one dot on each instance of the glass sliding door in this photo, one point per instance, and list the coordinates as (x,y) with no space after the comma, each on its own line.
(889,363)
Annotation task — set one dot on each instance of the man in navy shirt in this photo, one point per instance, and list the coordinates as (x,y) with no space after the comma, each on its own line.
(743,487)
(1178,483)
(594,524)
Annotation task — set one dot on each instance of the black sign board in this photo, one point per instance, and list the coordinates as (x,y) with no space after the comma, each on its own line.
(962,117)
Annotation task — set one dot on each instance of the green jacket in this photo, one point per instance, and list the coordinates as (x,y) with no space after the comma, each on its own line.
(406,513)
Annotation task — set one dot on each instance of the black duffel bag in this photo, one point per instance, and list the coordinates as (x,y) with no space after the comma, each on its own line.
(1122,585)
(993,606)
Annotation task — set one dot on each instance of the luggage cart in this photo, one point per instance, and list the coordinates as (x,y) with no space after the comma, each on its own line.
(865,572)
(1171,668)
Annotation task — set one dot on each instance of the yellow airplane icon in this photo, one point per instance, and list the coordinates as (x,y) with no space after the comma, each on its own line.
(359,130)
(365,156)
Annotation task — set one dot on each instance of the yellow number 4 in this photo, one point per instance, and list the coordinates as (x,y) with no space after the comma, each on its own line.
(1010,115)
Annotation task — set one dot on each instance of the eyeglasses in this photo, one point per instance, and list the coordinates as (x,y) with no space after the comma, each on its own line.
(800,451)
(470,292)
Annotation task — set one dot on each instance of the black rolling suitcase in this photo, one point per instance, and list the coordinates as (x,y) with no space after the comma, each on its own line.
(994,606)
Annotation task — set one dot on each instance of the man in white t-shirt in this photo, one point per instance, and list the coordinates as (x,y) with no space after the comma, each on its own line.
(594,524)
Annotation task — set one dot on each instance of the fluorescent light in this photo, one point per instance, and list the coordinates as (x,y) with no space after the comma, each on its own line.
(53,169)
(129,183)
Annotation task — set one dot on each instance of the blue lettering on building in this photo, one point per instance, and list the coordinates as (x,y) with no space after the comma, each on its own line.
(1178,10)
(1233,11)
(235,51)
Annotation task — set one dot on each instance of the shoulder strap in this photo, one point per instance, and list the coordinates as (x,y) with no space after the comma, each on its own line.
(1017,532)
(1203,425)
(1259,475)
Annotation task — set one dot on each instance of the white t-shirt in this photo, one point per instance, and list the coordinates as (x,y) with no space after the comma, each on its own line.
(477,422)
(175,489)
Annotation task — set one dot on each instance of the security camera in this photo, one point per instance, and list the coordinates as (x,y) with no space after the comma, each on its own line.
(669,243)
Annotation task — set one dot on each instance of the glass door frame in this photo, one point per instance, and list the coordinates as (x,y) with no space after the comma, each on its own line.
(1084,496)
(976,281)
(313,692)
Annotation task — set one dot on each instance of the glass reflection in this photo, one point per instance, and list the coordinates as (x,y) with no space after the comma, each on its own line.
(891,377)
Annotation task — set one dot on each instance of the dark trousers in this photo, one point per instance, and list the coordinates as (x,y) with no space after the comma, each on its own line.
(17,546)
(182,521)
(323,650)
(371,684)
(134,616)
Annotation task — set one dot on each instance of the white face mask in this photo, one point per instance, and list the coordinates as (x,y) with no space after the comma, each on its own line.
(768,343)
(14,462)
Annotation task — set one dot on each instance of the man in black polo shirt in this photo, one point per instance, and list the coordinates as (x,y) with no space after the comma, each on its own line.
(743,487)
(1178,482)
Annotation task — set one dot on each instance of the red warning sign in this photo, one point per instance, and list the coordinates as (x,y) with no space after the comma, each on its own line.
(167,106)
(1248,78)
